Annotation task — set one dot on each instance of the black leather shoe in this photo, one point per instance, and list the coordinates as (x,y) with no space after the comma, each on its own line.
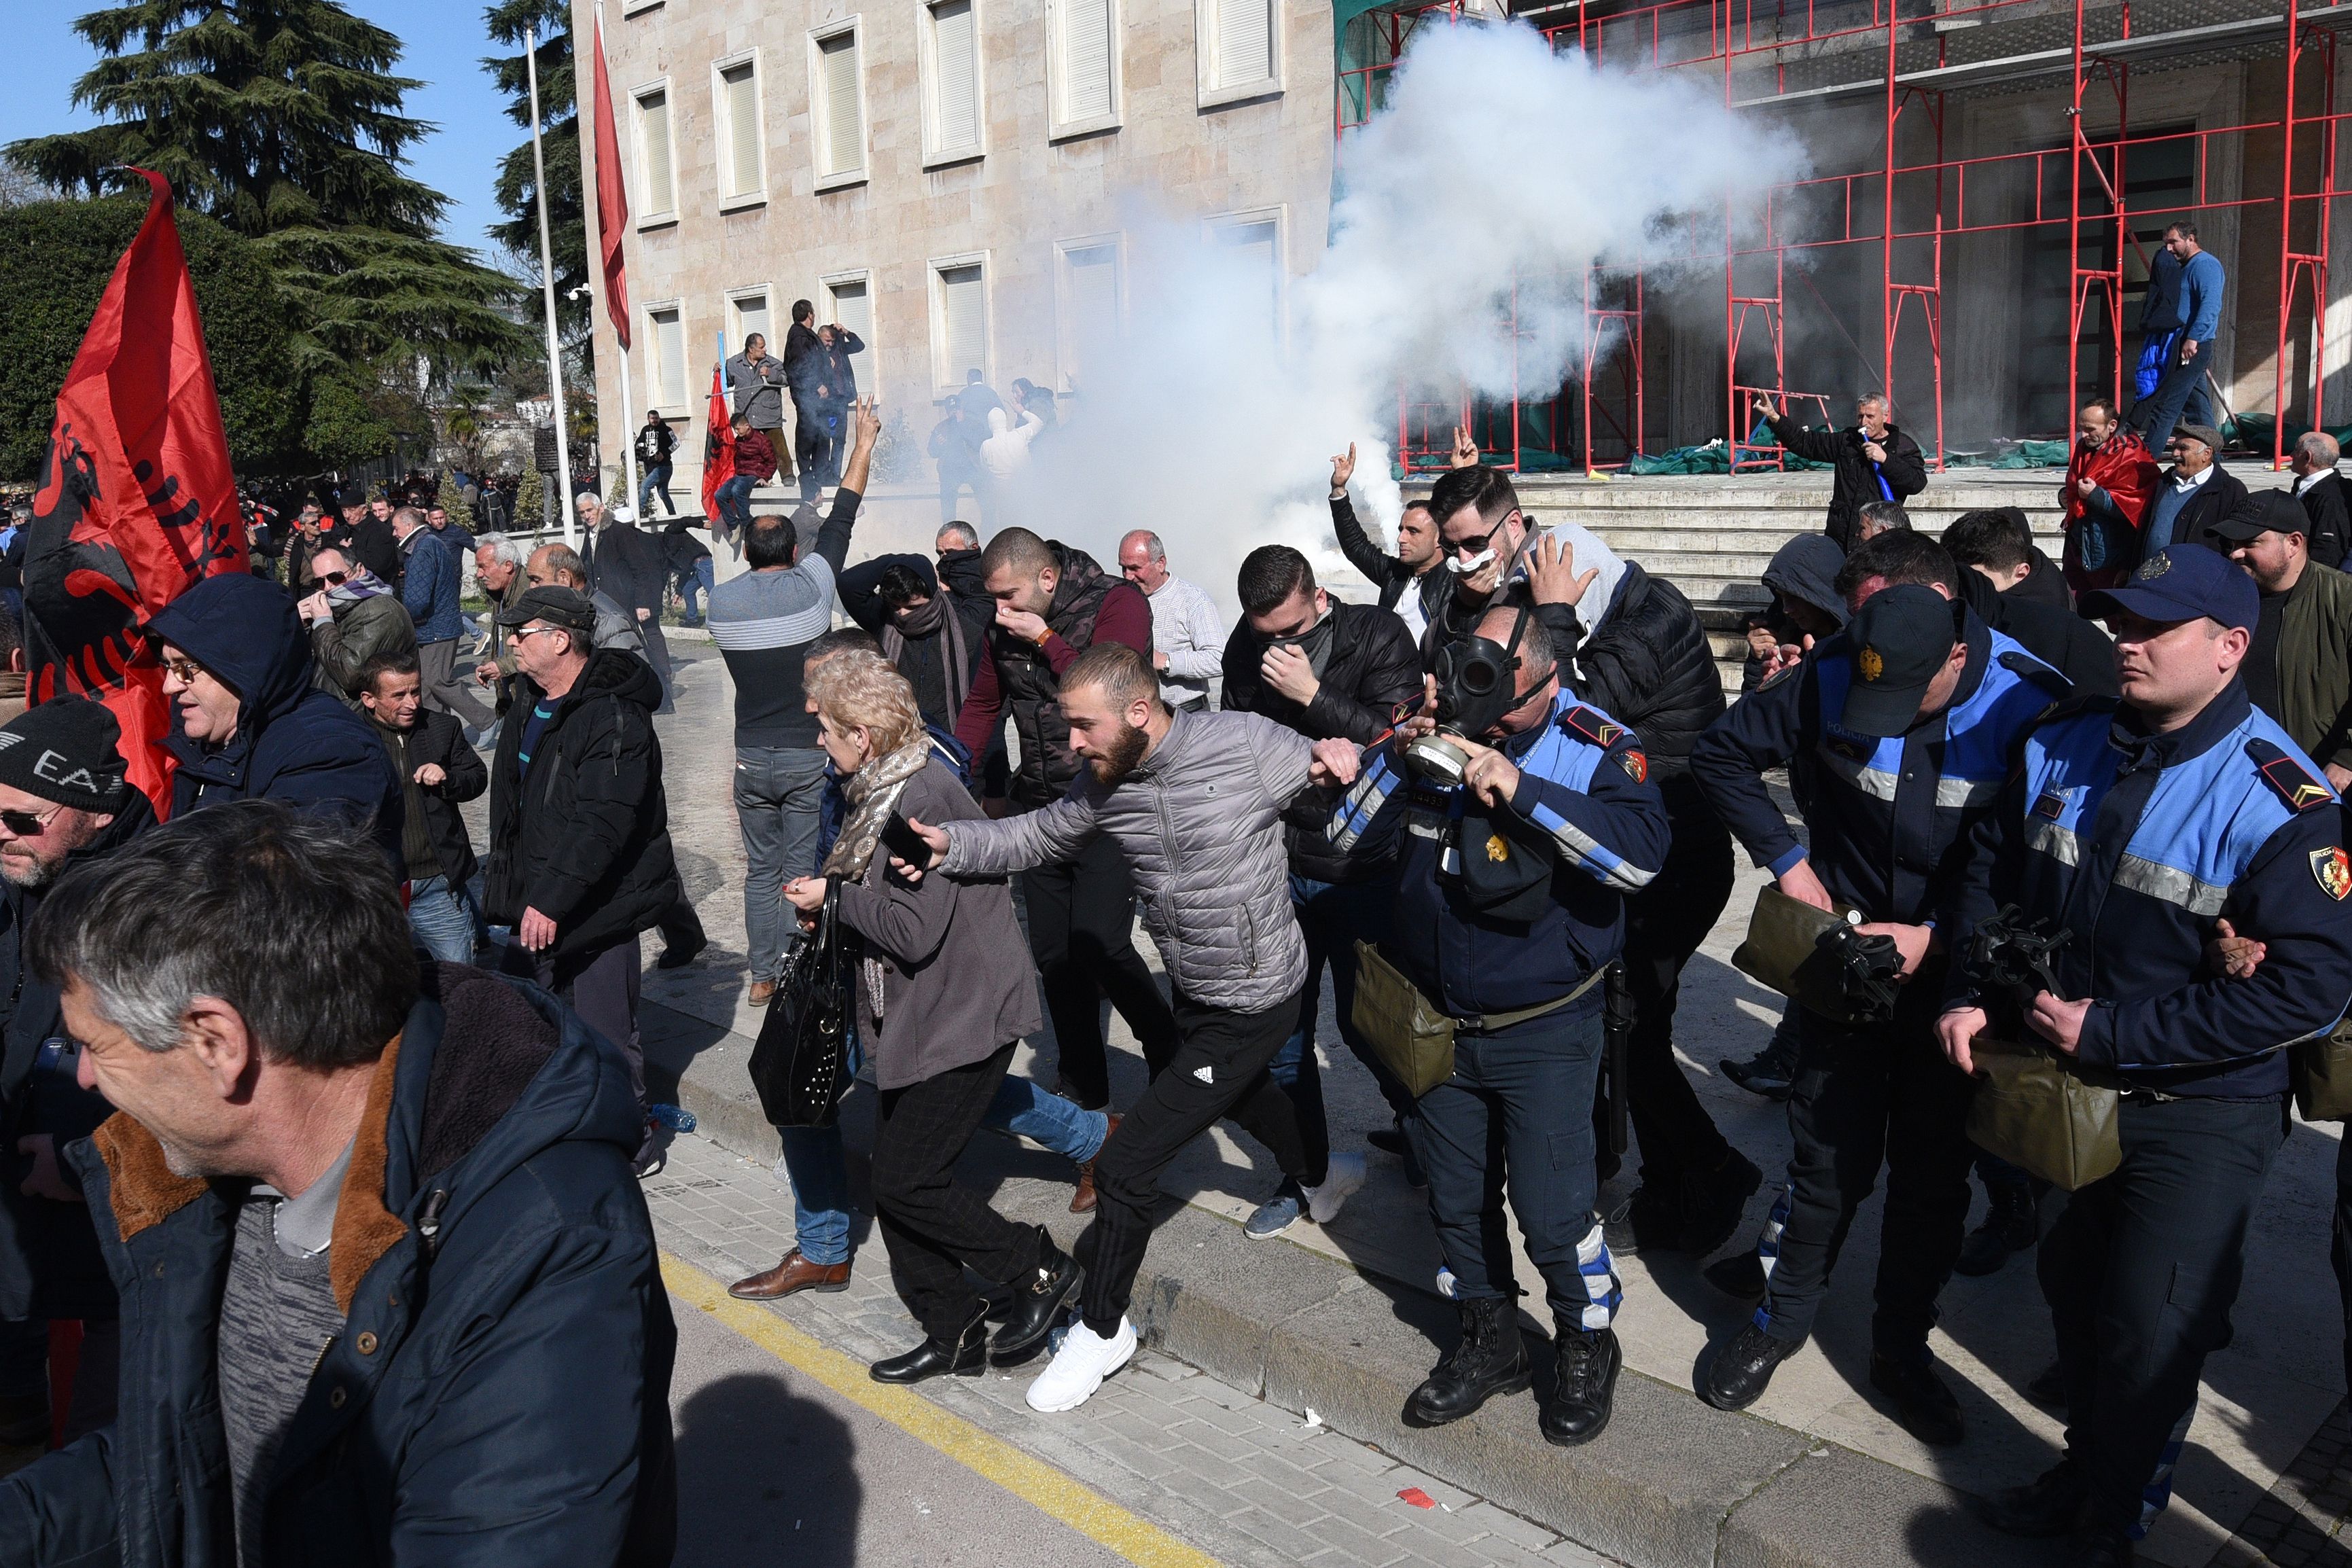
(1492,1359)
(1771,1072)
(1584,1386)
(1740,1276)
(1038,1300)
(2049,1505)
(1742,1368)
(1712,1202)
(2009,1228)
(1651,1220)
(965,1358)
(2105,1548)
(1925,1408)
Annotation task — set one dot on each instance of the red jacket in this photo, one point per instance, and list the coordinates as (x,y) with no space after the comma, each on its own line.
(2122,467)
(754,457)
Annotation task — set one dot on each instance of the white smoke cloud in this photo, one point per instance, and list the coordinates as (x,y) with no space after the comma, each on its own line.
(1498,172)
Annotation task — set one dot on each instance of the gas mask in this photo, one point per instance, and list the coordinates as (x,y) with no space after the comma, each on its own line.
(1478,684)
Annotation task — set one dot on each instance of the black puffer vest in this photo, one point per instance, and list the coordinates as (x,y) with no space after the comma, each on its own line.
(1032,692)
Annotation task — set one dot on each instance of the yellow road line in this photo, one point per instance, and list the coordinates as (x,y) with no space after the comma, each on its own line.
(983,1453)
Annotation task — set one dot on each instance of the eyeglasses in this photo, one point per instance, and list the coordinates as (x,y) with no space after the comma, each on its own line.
(334,579)
(1468,547)
(183,670)
(26,823)
(522,632)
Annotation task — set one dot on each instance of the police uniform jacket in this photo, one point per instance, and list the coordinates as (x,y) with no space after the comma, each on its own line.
(1504,908)
(1889,817)
(2138,845)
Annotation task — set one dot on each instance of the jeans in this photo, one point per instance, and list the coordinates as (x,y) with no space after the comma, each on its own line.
(1331,917)
(1519,1111)
(2179,395)
(812,447)
(690,579)
(735,502)
(654,480)
(444,919)
(778,790)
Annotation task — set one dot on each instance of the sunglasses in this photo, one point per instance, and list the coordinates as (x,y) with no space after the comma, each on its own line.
(522,632)
(1468,547)
(334,579)
(183,670)
(27,824)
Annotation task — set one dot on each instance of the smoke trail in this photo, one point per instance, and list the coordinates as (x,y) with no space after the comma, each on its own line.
(1497,165)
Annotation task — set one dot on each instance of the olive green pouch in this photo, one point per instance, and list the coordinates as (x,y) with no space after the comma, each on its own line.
(1784,953)
(2037,1111)
(2322,1070)
(1413,1040)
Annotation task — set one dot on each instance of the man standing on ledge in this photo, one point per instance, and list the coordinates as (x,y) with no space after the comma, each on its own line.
(2177,320)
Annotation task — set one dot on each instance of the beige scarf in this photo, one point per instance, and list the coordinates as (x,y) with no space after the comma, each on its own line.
(873,792)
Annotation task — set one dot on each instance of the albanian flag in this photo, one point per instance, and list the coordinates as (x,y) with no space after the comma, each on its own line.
(717,451)
(137,502)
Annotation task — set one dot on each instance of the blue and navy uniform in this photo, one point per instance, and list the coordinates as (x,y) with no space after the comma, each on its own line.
(1888,818)
(1501,909)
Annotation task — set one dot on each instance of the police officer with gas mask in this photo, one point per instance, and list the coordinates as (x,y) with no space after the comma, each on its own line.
(1896,734)
(1520,820)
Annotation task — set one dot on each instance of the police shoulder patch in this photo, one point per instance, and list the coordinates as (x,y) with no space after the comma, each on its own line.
(1635,762)
(2332,868)
(2291,780)
(1589,723)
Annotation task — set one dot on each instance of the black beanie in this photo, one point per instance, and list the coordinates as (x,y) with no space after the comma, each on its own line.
(68,750)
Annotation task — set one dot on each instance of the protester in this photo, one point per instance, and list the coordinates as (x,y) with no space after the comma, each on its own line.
(1874,518)
(559,566)
(955,453)
(691,570)
(656,445)
(628,568)
(353,616)
(2297,667)
(1805,608)
(1491,546)
(580,862)
(498,566)
(309,537)
(1325,669)
(1188,635)
(1053,604)
(2179,314)
(63,805)
(431,581)
(287,1169)
(1872,459)
(1194,802)
(931,622)
(759,379)
(459,540)
(2324,495)
(438,772)
(2142,1267)
(2195,494)
(1998,549)
(755,464)
(372,543)
(2110,485)
(1409,582)
(251,721)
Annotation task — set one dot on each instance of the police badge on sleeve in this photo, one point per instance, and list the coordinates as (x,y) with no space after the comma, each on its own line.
(2332,868)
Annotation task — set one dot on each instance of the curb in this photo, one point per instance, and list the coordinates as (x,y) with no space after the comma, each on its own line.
(1670,1484)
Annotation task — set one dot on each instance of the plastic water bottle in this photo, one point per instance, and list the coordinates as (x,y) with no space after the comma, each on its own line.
(674,1118)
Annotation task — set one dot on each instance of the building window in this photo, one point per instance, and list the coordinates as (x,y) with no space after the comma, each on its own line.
(668,339)
(1087,298)
(951,89)
(1249,245)
(1237,49)
(958,320)
(838,101)
(747,312)
(656,164)
(1082,72)
(742,180)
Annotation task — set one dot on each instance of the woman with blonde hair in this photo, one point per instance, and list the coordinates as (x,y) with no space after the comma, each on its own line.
(945,990)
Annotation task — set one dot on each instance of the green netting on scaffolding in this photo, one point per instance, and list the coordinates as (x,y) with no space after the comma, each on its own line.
(2013,454)
(1715,457)
(2258,432)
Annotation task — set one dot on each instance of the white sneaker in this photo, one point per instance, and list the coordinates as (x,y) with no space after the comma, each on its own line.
(1084,1359)
(1343,1177)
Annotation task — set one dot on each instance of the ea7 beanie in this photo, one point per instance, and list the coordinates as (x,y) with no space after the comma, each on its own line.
(68,750)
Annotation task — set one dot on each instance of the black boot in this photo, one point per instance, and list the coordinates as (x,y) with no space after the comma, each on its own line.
(1584,1384)
(1712,1202)
(964,1358)
(1924,1407)
(2009,1227)
(2049,1505)
(1651,1220)
(1492,1359)
(1038,1299)
(1742,1368)
(2105,1548)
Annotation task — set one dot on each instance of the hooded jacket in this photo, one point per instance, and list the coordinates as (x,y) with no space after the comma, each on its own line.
(922,660)
(491,1245)
(583,837)
(1648,666)
(293,742)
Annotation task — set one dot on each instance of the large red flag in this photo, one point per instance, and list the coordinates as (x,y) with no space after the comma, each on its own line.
(717,449)
(612,201)
(137,499)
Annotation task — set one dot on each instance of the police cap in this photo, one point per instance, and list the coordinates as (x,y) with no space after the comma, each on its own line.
(2181,583)
(1896,642)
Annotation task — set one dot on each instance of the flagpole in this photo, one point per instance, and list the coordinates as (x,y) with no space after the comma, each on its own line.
(547,288)
(628,413)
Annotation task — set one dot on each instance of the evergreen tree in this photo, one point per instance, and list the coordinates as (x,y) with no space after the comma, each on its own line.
(559,133)
(281,119)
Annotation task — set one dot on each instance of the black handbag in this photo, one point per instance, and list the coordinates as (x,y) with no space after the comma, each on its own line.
(801,1063)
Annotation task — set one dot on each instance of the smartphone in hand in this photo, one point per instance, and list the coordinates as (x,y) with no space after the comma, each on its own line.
(899,836)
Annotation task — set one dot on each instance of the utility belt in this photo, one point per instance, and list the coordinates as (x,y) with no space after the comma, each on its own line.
(1412,1038)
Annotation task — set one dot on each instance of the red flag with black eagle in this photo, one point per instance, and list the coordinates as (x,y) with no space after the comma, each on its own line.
(717,451)
(137,501)
(612,200)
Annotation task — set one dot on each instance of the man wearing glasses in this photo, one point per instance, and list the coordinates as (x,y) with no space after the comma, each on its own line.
(351,618)
(2195,495)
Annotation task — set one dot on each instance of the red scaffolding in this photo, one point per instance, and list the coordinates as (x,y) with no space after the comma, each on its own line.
(1913,199)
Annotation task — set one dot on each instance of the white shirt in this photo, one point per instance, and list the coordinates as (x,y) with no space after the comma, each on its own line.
(2308,480)
(1185,626)
(2184,483)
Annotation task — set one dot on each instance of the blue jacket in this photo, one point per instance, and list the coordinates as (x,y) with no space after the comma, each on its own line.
(293,741)
(1888,816)
(2138,845)
(2183,295)
(500,1391)
(429,588)
(1584,811)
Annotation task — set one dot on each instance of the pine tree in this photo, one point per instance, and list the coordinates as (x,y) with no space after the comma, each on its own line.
(281,119)
(517,192)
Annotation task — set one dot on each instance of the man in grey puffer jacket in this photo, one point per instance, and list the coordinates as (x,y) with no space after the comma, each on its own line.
(1194,802)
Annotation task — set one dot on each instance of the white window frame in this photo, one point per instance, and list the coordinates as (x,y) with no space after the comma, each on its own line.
(667,215)
(820,115)
(1058,128)
(653,367)
(935,289)
(1278,215)
(735,330)
(1211,92)
(1065,342)
(936,156)
(638,7)
(723,129)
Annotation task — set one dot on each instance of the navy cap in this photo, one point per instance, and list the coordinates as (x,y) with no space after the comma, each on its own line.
(2181,583)
(1896,642)
(2264,511)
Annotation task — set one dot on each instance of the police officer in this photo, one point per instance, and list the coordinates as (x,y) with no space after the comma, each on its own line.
(1509,907)
(1896,734)
(2140,829)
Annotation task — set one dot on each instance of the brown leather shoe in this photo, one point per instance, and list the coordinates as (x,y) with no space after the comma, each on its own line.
(1083,1200)
(762,992)
(793,1274)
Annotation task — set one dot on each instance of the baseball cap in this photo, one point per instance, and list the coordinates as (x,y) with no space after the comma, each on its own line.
(555,605)
(2268,511)
(1896,642)
(2181,583)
